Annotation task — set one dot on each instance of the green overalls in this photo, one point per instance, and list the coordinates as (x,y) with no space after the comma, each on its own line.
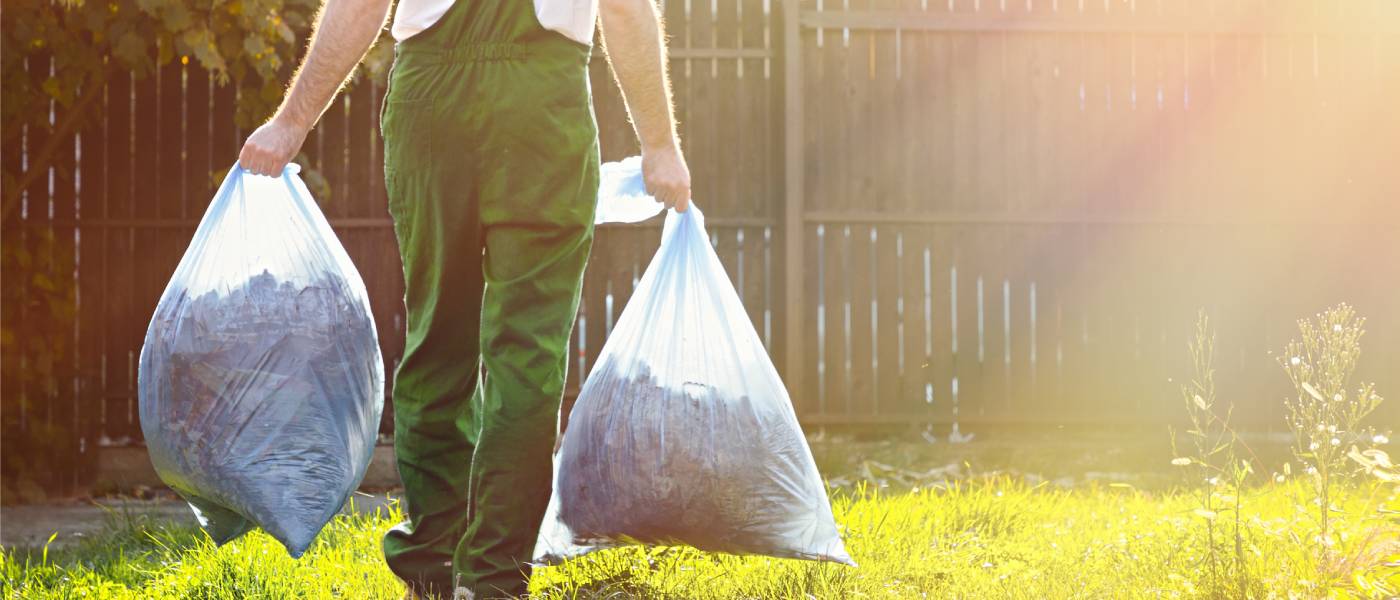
(491,163)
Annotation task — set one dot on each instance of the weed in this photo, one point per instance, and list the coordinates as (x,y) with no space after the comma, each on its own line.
(1218,473)
(1326,417)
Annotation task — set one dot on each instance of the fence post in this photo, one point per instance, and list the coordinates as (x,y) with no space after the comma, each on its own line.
(792,206)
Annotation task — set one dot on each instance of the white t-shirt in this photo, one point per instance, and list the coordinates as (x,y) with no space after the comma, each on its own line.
(573,18)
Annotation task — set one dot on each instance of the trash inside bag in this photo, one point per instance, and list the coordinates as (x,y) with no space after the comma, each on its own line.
(261,381)
(683,432)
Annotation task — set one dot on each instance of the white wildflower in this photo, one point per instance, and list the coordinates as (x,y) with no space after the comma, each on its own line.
(1295,361)
(1336,442)
(1181,462)
(1380,439)
(1337,397)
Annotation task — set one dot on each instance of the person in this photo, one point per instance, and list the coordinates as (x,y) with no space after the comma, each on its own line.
(491,165)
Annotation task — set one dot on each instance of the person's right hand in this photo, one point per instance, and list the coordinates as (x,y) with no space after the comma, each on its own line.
(666,176)
(272,146)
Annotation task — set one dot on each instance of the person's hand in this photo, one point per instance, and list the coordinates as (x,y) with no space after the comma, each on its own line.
(666,176)
(272,146)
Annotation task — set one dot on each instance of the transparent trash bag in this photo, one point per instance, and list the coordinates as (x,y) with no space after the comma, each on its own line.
(261,381)
(683,433)
(622,195)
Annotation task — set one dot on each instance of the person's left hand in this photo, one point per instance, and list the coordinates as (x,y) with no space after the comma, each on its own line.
(271,146)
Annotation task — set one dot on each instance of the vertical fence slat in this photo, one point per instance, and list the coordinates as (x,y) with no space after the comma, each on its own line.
(33,212)
(61,401)
(199,150)
(835,296)
(129,284)
(963,88)
(92,196)
(794,261)
(359,132)
(943,250)
(813,338)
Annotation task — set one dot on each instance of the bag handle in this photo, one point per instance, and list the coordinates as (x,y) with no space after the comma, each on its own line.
(622,194)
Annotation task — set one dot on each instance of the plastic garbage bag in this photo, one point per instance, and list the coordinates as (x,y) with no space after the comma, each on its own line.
(622,195)
(683,433)
(261,381)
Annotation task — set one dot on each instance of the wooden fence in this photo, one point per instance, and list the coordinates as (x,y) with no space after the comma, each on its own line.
(1011,210)
(934,210)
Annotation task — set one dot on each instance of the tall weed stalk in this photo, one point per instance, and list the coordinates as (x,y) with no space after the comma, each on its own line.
(1212,455)
(1326,415)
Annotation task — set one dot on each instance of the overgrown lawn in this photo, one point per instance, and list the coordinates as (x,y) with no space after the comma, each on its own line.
(989,538)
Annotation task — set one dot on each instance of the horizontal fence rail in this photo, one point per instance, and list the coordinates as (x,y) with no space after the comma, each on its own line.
(1078,21)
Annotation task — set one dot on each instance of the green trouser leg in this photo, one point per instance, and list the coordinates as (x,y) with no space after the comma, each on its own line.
(491,161)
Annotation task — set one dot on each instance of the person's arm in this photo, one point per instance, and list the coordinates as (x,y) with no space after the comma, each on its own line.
(634,46)
(343,32)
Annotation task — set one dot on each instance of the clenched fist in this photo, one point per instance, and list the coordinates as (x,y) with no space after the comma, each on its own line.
(667,177)
(271,146)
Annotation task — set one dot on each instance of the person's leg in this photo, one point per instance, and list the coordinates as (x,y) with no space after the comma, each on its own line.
(539,191)
(438,228)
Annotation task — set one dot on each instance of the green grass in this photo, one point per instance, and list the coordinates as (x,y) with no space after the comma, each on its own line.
(995,537)
(136,559)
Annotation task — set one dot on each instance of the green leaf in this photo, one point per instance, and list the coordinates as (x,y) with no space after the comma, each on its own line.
(286,33)
(43,282)
(22,256)
(165,48)
(150,7)
(316,183)
(131,49)
(176,17)
(295,18)
(254,46)
(200,43)
(1312,391)
(54,88)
